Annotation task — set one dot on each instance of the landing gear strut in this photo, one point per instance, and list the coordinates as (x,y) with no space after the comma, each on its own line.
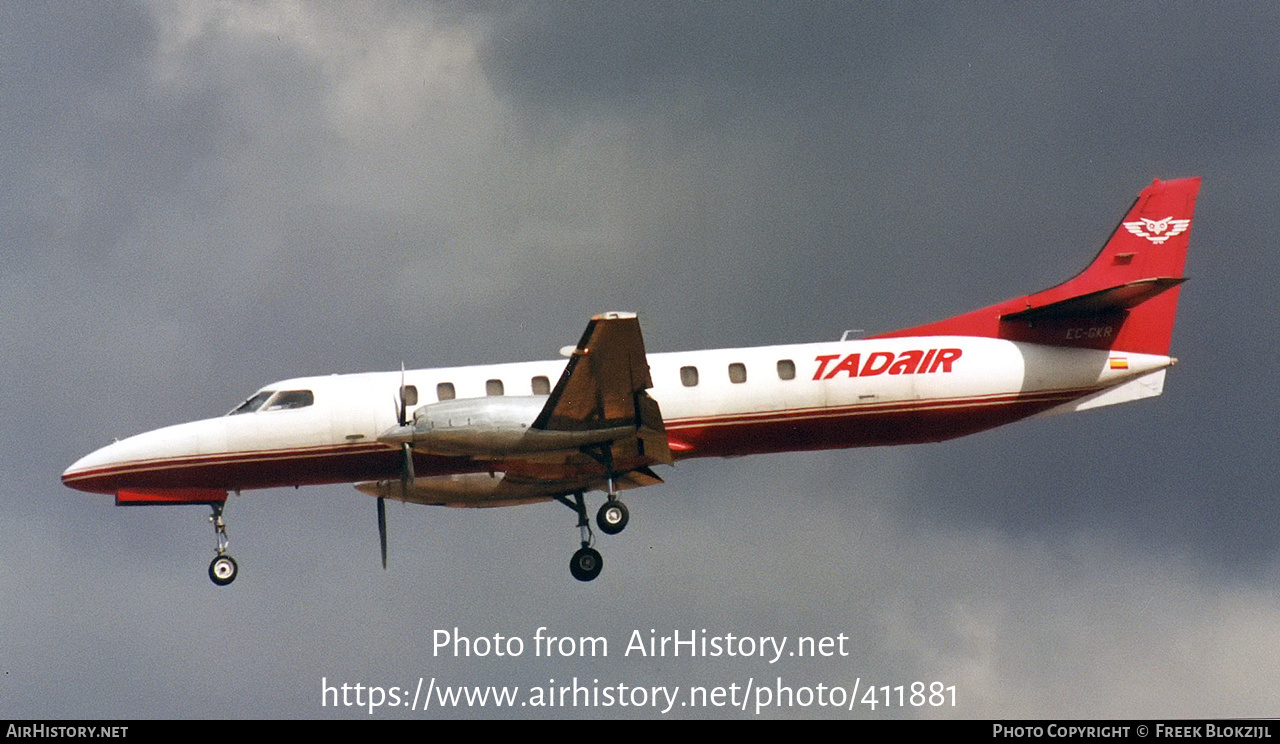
(612,519)
(223,569)
(586,562)
(613,516)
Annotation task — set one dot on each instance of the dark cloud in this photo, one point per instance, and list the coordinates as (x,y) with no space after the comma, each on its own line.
(570,53)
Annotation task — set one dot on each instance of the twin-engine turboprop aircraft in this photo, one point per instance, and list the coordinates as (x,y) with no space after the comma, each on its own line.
(506,434)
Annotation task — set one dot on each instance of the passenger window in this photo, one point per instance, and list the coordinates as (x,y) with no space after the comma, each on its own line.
(444,391)
(541,385)
(786,369)
(288,399)
(493,387)
(409,395)
(737,373)
(689,376)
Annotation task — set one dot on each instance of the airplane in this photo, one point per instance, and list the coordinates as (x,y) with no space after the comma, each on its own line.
(602,419)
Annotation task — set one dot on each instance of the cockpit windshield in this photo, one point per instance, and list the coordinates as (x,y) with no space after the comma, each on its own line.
(286,399)
(271,400)
(253,404)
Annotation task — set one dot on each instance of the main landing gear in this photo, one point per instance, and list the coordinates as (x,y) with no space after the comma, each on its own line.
(613,516)
(586,564)
(612,519)
(223,569)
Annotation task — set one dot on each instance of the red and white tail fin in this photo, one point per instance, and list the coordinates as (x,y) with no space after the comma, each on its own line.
(1126,299)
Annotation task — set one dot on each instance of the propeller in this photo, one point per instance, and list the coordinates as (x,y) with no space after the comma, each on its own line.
(382,529)
(406,449)
(406,468)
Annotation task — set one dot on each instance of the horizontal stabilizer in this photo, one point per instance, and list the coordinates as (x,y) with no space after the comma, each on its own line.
(1147,386)
(1103,302)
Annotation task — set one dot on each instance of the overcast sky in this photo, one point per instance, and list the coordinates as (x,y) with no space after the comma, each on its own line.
(201,198)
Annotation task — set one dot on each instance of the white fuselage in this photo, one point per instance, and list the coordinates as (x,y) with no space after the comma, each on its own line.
(714,403)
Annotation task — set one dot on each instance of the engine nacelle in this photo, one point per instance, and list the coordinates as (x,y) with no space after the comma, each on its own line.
(468,490)
(487,428)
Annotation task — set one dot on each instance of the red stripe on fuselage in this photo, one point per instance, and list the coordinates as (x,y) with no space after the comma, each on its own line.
(860,425)
(864,425)
(247,470)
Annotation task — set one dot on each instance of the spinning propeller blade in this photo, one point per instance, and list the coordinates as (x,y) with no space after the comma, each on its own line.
(382,529)
(406,467)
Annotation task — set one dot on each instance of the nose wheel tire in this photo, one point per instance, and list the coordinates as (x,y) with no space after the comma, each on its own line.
(612,517)
(223,570)
(586,564)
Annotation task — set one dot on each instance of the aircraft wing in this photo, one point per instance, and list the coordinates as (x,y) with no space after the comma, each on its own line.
(598,425)
(603,386)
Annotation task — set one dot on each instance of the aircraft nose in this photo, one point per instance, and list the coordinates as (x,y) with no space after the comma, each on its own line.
(145,460)
(88,473)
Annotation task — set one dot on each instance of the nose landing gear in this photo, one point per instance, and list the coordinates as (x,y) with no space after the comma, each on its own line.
(223,569)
